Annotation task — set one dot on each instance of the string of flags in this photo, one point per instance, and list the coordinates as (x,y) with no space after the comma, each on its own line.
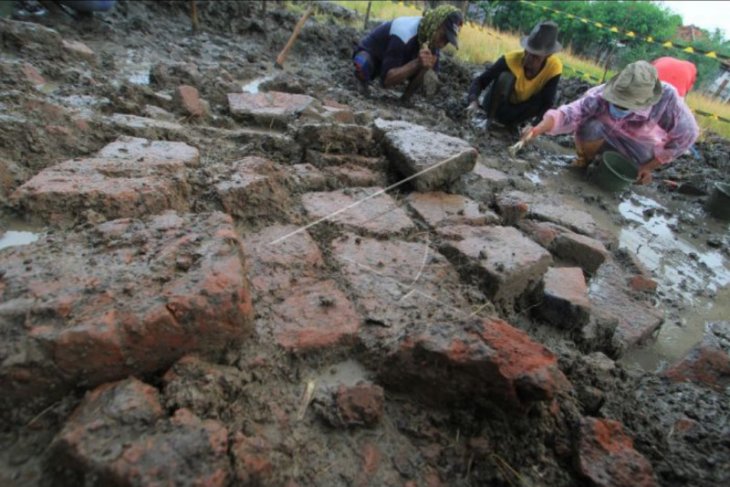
(630,34)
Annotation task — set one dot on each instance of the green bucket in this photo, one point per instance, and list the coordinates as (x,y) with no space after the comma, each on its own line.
(719,203)
(6,8)
(614,172)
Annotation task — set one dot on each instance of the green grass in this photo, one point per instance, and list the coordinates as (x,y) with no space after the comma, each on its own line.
(479,45)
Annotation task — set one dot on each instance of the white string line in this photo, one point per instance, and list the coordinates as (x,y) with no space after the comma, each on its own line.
(356,203)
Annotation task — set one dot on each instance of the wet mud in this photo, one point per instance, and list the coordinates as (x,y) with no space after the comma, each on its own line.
(386,348)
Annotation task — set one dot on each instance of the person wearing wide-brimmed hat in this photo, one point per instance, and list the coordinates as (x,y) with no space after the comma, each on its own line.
(405,47)
(523,83)
(634,114)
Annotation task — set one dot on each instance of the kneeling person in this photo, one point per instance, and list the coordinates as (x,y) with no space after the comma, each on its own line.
(405,48)
(523,83)
(635,114)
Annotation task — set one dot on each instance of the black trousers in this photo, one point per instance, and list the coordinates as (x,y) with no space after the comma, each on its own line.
(498,107)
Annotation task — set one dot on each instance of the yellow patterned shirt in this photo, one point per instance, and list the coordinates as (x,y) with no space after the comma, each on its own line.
(526,88)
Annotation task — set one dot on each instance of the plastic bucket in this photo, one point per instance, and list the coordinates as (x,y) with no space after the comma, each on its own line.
(614,172)
(719,203)
(6,8)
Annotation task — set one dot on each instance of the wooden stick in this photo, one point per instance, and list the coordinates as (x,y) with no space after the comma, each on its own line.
(194,15)
(367,16)
(297,29)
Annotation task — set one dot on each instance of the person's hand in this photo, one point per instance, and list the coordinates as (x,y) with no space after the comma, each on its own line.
(644,176)
(472,109)
(528,133)
(426,58)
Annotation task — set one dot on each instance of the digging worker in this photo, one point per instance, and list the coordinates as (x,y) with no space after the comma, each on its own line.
(678,73)
(523,83)
(634,114)
(407,47)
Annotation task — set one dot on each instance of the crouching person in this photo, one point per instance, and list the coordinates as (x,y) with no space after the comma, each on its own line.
(405,48)
(634,114)
(522,84)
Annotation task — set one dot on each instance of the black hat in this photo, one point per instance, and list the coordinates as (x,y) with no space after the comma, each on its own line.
(452,24)
(543,40)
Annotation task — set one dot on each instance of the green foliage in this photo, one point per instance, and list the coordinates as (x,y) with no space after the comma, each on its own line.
(643,18)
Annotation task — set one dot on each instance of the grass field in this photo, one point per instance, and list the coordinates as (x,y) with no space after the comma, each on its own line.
(482,44)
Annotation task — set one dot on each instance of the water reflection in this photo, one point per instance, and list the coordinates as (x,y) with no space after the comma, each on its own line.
(13,238)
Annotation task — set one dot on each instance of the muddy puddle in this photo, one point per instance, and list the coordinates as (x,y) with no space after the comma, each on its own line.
(693,280)
(135,67)
(253,86)
(15,232)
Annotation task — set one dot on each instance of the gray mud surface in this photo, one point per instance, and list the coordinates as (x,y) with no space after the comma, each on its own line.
(388,384)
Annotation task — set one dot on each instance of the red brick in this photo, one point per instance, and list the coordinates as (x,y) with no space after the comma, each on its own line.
(543,233)
(479,362)
(360,405)
(118,434)
(268,108)
(565,299)
(643,284)
(142,149)
(251,459)
(333,138)
(188,293)
(512,207)
(606,456)
(307,177)
(323,160)
(78,49)
(132,177)
(190,100)
(318,316)
(613,301)
(550,207)
(412,149)
(380,215)
(351,175)
(707,363)
(439,208)
(584,251)
(337,111)
(253,188)
(32,74)
(371,457)
(277,267)
(504,262)
(397,284)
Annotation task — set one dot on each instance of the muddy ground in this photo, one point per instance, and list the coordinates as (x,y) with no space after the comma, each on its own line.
(370,389)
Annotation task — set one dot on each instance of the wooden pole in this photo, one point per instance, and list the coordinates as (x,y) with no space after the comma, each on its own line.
(608,61)
(297,29)
(194,15)
(367,16)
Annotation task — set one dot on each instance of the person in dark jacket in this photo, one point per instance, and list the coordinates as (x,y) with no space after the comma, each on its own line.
(404,48)
(522,84)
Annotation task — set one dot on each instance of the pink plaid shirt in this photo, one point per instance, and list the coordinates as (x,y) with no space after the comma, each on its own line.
(668,127)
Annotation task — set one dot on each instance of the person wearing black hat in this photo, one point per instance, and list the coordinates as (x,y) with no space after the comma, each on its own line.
(404,48)
(523,83)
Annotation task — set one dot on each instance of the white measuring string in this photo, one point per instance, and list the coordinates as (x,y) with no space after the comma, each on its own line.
(358,202)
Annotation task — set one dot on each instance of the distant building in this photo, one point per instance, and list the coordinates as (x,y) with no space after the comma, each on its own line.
(690,33)
(720,86)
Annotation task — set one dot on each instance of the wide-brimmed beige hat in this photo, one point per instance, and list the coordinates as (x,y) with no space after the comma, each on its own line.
(637,86)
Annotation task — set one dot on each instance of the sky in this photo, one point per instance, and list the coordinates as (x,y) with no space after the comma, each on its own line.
(707,15)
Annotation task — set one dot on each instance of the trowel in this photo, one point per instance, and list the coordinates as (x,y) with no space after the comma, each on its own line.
(514,149)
